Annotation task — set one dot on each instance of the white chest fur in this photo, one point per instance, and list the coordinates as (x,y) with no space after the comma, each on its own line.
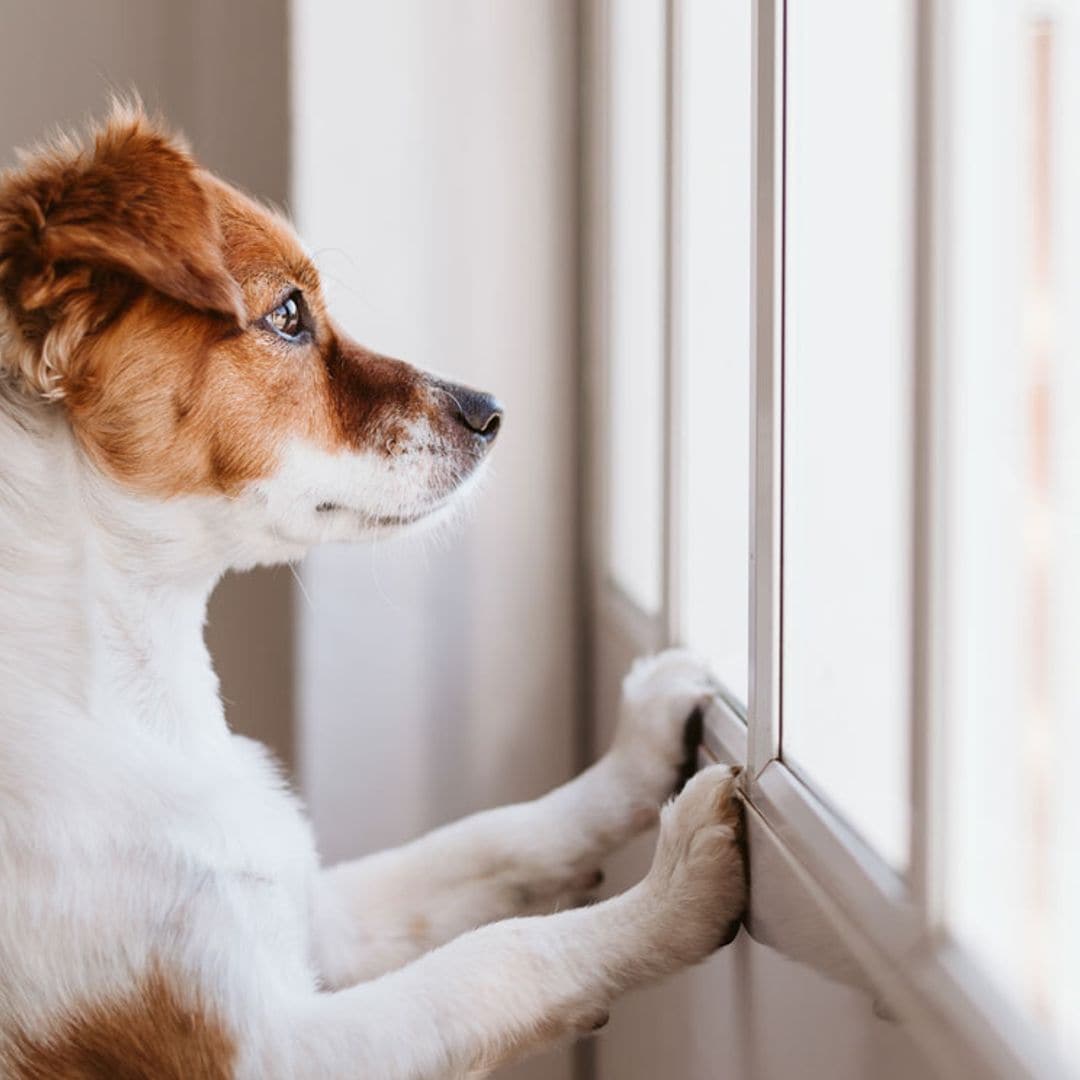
(129,854)
(134,823)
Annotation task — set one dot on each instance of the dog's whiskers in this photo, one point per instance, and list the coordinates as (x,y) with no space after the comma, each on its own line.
(301,586)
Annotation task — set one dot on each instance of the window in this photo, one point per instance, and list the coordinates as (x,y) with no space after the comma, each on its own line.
(678,326)
(858,432)
(712,333)
(637,298)
(1012,401)
(848,384)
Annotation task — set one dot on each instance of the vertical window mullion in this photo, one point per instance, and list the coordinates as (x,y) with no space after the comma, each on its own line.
(930,457)
(766,382)
(673,360)
(598,301)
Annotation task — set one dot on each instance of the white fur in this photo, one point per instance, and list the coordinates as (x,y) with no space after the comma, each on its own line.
(135,828)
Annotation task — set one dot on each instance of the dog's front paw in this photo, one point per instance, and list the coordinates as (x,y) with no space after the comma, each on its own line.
(695,892)
(665,699)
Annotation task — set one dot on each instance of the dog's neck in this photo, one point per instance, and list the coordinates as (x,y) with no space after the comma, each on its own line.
(102,595)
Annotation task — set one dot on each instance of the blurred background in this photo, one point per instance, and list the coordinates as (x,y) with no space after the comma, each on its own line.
(782,302)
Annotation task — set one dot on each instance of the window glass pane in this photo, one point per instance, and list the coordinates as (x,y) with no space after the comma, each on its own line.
(714,335)
(1012,863)
(847,410)
(637,297)
(1061,834)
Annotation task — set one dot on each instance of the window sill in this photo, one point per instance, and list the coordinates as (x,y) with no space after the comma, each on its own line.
(822,897)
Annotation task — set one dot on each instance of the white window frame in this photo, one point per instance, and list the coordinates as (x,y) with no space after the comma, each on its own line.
(890,922)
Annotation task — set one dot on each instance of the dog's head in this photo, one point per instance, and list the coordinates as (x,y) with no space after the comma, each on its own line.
(182,327)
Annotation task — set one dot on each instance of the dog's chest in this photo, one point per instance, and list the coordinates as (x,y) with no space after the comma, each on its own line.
(135,854)
(251,847)
(243,830)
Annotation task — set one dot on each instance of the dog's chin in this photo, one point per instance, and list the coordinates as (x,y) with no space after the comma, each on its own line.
(341,520)
(372,521)
(293,517)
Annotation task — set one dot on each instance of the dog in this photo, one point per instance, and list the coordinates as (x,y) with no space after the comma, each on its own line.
(176,401)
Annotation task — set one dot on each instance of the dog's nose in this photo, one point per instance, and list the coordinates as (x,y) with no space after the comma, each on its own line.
(480,413)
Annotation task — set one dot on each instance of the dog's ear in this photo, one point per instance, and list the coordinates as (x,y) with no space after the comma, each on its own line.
(82,228)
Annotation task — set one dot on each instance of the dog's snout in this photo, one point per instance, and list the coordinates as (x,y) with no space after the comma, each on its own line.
(481,413)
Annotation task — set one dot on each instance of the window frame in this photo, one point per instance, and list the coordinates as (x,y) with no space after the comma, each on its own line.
(890,921)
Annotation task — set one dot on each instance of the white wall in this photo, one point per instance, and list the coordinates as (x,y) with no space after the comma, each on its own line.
(435,183)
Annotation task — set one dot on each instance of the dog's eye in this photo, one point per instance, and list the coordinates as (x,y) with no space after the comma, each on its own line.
(287,319)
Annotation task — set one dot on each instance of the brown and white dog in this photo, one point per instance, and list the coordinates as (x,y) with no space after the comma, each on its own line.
(175,401)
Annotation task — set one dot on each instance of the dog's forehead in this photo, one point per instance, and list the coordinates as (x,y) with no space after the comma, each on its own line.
(261,248)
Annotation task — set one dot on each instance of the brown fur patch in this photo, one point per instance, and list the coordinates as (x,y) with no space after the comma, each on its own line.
(361,383)
(420,931)
(79,226)
(150,1034)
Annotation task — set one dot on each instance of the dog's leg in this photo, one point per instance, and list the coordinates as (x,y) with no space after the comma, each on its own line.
(378,913)
(501,991)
